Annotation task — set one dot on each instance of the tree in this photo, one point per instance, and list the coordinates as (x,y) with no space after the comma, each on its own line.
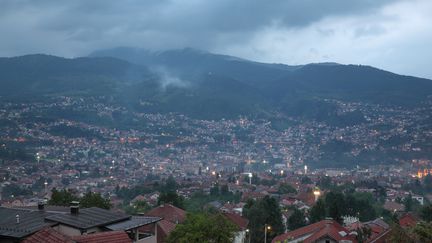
(62,198)
(336,205)
(325,182)
(255,179)
(426,213)
(285,188)
(422,232)
(171,197)
(296,220)
(399,235)
(224,190)
(408,201)
(363,234)
(203,227)
(170,185)
(214,191)
(13,190)
(318,211)
(305,180)
(428,183)
(138,207)
(92,199)
(261,212)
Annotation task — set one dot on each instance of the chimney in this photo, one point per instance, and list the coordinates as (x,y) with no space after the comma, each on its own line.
(74,207)
(17,219)
(41,205)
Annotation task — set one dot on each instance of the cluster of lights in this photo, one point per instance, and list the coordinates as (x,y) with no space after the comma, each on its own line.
(38,157)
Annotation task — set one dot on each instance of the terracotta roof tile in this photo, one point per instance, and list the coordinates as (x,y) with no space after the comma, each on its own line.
(238,220)
(166,226)
(168,212)
(316,231)
(408,220)
(105,237)
(332,231)
(48,235)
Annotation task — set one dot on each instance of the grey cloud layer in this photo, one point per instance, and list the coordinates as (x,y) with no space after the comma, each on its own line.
(267,30)
(190,21)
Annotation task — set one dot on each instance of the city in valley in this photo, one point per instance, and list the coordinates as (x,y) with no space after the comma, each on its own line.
(218,164)
(40,153)
(188,121)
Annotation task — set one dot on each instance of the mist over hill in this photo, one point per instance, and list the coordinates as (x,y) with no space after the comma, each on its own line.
(334,109)
(209,86)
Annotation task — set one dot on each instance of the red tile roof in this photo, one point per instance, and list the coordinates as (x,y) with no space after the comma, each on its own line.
(332,232)
(238,220)
(407,220)
(168,212)
(307,197)
(316,231)
(105,237)
(166,226)
(47,235)
(379,230)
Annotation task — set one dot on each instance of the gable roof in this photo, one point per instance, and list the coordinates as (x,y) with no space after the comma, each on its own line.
(133,222)
(317,231)
(30,221)
(166,226)
(169,212)
(330,231)
(238,220)
(89,218)
(48,235)
(105,237)
(407,220)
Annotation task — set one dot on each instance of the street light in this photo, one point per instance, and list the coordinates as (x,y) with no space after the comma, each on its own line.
(316,193)
(249,235)
(266,228)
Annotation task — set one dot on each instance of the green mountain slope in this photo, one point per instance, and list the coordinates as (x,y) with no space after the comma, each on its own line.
(210,86)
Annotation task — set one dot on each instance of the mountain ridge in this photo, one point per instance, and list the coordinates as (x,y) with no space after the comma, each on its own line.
(206,85)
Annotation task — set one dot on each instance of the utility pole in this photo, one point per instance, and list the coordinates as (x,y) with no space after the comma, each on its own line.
(266,227)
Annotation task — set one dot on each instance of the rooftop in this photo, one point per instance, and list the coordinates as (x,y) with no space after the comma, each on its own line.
(133,222)
(105,237)
(30,221)
(316,231)
(168,212)
(89,218)
(48,235)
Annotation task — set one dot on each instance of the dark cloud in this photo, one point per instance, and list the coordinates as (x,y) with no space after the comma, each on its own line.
(258,29)
(187,21)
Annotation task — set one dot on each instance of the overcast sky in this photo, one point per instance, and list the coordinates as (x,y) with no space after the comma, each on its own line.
(395,35)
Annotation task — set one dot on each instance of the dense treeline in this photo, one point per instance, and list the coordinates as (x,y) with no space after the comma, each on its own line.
(261,213)
(89,199)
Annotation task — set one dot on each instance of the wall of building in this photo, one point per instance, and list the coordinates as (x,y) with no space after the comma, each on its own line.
(151,239)
(240,237)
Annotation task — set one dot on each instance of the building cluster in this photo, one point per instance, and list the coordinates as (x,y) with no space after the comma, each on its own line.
(252,157)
